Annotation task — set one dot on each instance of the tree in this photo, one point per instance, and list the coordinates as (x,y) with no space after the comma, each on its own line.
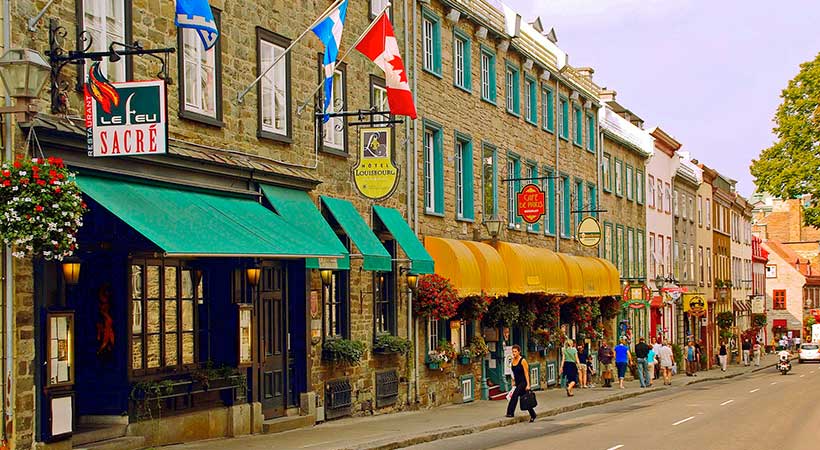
(791,167)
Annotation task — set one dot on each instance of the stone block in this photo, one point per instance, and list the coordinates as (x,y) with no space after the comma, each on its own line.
(307,404)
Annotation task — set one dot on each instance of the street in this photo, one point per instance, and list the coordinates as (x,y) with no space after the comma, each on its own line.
(764,410)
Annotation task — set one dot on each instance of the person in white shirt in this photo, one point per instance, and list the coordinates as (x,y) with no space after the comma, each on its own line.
(665,355)
(757,349)
(656,349)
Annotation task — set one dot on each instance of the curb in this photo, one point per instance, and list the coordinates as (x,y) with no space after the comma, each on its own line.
(446,433)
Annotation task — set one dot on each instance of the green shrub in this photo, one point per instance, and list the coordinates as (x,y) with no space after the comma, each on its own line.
(387,343)
(343,350)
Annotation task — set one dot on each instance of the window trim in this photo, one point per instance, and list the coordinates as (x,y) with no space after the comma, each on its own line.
(607,180)
(467,58)
(578,129)
(432,17)
(194,116)
(512,190)
(591,133)
(775,300)
(548,119)
(550,193)
(619,192)
(280,41)
(629,181)
(640,179)
(491,74)
(516,88)
(128,33)
(467,177)
(565,206)
(344,152)
(437,177)
(484,147)
(531,95)
(563,118)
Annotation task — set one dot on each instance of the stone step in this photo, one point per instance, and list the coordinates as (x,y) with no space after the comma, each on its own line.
(86,434)
(122,443)
(281,424)
(103,420)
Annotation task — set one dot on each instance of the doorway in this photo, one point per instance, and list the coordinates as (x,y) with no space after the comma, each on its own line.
(273,354)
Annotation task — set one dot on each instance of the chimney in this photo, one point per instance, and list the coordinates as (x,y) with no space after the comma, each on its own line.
(586,72)
(607,95)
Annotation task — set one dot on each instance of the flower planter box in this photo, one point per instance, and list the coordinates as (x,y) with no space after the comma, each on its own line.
(385,352)
(433,365)
(465,360)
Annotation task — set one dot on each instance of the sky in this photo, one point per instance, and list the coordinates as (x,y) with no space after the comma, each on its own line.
(709,73)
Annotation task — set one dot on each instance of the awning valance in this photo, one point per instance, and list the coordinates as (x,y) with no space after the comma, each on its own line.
(742,306)
(375,256)
(779,323)
(297,208)
(595,276)
(420,261)
(494,281)
(192,223)
(455,261)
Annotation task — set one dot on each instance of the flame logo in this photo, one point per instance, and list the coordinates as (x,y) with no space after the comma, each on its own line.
(100,89)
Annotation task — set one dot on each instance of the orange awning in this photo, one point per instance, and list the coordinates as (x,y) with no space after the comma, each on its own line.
(453,260)
(494,281)
(553,276)
(523,272)
(614,278)
(595,277)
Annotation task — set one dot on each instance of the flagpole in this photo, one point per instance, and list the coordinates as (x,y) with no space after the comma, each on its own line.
(361,36)
(307,30)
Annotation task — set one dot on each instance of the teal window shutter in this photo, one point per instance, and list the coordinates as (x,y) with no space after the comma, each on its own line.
(565,206)
(591,133)
(439,173)
(550,227)
(579,201)
(579,126)
(534,174)
(593,199)
(467,184)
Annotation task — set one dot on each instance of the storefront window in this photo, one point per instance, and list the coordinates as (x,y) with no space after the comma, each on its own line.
(336,305)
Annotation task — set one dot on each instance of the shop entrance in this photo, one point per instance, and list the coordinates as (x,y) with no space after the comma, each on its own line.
(273,373)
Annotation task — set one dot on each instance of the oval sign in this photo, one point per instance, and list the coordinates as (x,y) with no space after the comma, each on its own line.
(589,232)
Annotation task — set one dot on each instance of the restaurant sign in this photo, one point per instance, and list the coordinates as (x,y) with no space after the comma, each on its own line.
(694,304)
(589,232)
(531,203)
(125,119)
(375,176)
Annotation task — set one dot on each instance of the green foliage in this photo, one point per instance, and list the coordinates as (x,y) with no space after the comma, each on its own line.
(478,348)
(343,350)
(387,343)
(526,312)
(474,307)
(609,308)
(724,320)
(501,313)
(146,397)
(791,167)
(759,320)
(209,372)
(677,353)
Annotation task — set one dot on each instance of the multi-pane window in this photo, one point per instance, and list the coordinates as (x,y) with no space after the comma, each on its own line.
(532,173)
(513,172)
(708,267)
(653,261)
(333,132)
(162,315)
(779,299)
(530,101)
(619,177)
(659,194)
(431,40)
(433,334)
(691,261)
(549,188)
(630,187)
(461,60)
(700,265)
(488,91)
(676,260)
(513,88)
(630,248)
(592,192)
(376,6)
(433,171)
(378,98)
(579,200)
(708,213)
(336,305)
(563,118)
(668,253)
(579,126)
(691,201)
(667,200)
(489,182)
(565,201)
(104,20)
(650,195)
(384,298)
(201,84)
(608,242)
(640,254)
(639,189)
(548,110)
(622,253)
(606,173)
(700,210)
(675,204)
(274,87)
(463,161)
(459,175)
(591,134)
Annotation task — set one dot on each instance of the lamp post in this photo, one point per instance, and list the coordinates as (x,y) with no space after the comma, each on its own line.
(493,225)
(24,73)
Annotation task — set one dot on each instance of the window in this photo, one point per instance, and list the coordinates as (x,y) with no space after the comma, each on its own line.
(201,80)
(700,265)
(564,193)
(683,263)
(105,21)
(661,263)
(675,207)
(532,173)
(464,177)
(433,334)
(579,201)
(667,192)
(608,244)
(771,271)
(548,109)
(461,60)
(274,88)
(691,261)
(618,248)
(708,267)
(593,199)
(630,248)
(549,189)
(708,214)
(431,39)
(488,90)
(700,210)
(334,135)
(530,101)
(650,195)
(622,253)
(336,305)
(513,88)
(691,201)
(489,181)
(579,126)
(641,255)
(384,296)
(668,253)
(433,170)
(630,187)
(606,172)
(376,6)
(683,202)
(653,261)
(591,134)
(563,118)
(513,171)
(163,309)
(779,299)
(639,190)
(378,97)
(659,203)
(619,177)
(676,260)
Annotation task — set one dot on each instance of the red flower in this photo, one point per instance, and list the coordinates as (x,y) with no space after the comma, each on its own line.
(83,205)
(52,173)
(57,190)
(17,164)
(23,180)
(41,182)
(6,182)
(6,173)
(40,160)
(51,160)
(38,208)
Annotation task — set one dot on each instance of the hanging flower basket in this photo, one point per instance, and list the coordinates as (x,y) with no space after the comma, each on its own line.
(41,208)
(436,298)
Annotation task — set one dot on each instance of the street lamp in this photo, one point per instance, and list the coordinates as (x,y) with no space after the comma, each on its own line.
(412,278)
(493,225)
(24,73)
(659,283)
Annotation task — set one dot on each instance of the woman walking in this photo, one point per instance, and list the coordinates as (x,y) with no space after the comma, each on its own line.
(722,356)
(622,358)
(667,359)
(521,382)
(569,366)
(582,366)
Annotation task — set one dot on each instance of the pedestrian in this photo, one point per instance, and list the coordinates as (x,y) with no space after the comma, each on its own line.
(698,356)
(656,347)
(521,381)
(691,358)
(651,359)
(569,366)
(641,353)
(622,358)
(746,347)
(666,362)
(582,365)
(605,355)
(722,356)
(757,349)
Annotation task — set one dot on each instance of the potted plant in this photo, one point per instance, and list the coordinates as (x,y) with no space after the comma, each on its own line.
(436,298)
(341,350)
(478,348)
(466,356)
(759,320)
(501,313)
(474,307)
(385,344)
(441,355)
(724,320)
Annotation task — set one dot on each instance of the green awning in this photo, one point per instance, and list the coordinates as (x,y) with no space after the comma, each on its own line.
(191,223)
(420,261)
(298,209)
(376,257)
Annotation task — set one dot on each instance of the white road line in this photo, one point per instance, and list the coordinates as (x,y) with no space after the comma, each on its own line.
(615,447)
(773,382)
(726,402)
(682,421)
(812,372)
(801,376)
(754,390)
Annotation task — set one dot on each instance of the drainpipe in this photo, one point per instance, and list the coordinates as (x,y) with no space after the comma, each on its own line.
(557,129)
(8,276)
(415,208)
(599,154)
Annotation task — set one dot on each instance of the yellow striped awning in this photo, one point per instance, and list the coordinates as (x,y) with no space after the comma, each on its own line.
(454,261)
(494,281)
(613,278)
(523,272)
(574,274)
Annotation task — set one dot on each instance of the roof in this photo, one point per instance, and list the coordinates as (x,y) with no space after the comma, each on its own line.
(802,265)
(665,141)
(624,131)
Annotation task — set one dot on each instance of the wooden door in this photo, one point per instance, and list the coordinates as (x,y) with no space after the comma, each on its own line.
(272,339)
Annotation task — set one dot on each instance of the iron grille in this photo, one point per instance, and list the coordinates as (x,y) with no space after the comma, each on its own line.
(338,398)
(387,388)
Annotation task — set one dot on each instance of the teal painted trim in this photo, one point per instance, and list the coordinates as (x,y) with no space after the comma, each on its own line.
(566,206)
(608,241)
(620,245)
(616,164)
(468,162)
(607,160)
(563,118)
(467,58)
(375,256)
(513,187)
(548,102)
(492,75)
(579,125)
(640,188)
(438,166)
(579,201)
(471,395)
(592,192)
(592,136)
(430,15)
(639,253)
(549,227)
(420,260)
(531,92)
(488,146)
(629,175)
(516,88)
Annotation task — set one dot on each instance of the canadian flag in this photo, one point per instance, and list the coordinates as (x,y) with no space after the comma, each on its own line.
(380,45)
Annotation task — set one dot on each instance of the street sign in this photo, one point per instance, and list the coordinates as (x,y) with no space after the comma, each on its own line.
(589,232)
(531,203)
(375,176)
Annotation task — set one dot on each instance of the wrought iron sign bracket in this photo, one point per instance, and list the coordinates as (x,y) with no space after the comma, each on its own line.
(361,117)
(59,57)
(552,177)
(577,211)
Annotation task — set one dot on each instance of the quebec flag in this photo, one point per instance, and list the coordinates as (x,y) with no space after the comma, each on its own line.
(329,31)
(197,15)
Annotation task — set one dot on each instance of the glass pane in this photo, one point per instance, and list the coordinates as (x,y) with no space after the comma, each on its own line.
(187,348)
(171,315)
(153,316)
(152,351)
(187,315)
(200,290)
(136,281)
(136,317)
(187,284)
(170,282)
(136,354)
(171,350)
(153,281)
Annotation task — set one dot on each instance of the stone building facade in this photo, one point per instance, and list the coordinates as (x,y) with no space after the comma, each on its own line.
(684,248)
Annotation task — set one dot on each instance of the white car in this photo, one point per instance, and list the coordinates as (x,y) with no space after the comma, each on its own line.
(809,352)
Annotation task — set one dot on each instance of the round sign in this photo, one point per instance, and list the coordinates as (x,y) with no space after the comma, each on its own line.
(589,232)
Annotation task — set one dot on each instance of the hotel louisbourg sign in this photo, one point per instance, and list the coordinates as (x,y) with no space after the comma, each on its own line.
(125,119)
(531,203)
(375,175)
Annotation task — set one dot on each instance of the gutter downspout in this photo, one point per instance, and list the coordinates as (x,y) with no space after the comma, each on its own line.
(599,171)
(413,320)
(8,278)
(408,172)
(558,226)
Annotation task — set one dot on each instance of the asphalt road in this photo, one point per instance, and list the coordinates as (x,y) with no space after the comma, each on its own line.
(760,411)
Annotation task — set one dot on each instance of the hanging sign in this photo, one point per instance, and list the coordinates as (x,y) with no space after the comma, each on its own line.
(125,119)
(694,304)
(531,203)
(589,232)
(375,176)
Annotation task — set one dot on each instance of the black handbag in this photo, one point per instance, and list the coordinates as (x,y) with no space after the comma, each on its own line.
(528,401)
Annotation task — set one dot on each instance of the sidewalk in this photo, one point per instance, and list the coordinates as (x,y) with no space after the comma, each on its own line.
(392,431)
